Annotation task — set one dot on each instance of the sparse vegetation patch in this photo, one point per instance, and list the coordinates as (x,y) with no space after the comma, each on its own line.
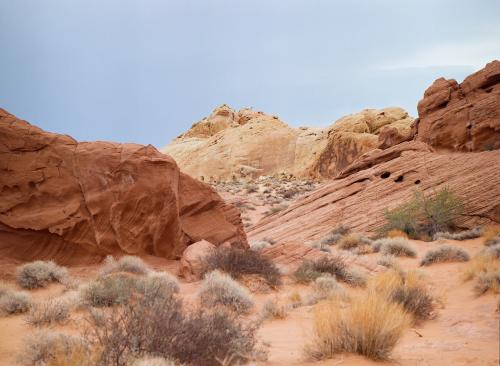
(39,274)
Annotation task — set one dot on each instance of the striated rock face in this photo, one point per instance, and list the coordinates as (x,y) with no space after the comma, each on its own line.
(383,179)
(77,202)
(465,116)
(229,145)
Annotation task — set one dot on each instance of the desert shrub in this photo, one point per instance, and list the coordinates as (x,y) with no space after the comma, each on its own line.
(126,263)
(53,311)
(462,235)
(42,347)
(109,290)
(491,235)
(398,247)
(310,270)
(480,264)
(425,215)
(161,328)
(39,274)
(335,235)
(324,287)
(352,241)
(407,289)
(395,233)
(157,284)
(491,251)
(237,262)
(273,309)
(371,326)
(259,245)
(319,245)
(220,289)
(388,261)
(445,253)
(488,281)
(14,302)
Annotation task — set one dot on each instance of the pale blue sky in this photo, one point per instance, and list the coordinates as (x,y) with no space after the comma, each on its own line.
(143,71)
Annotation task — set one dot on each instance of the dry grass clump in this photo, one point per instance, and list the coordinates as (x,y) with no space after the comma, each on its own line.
(462,235)
(398,246)
(389,261)
(370,325)
(110,290)
(39,274)
(480,264)
(395,233)
(273,309)
(445,253)
(157,284)
(275,209)
(323,288)
(491,251)
(491,235)
(353,241)
(45,347)
(220,289)
(163,328)
(310,270)
(488,281)
(407,289)
(126,263)
(335,235)
(237,262)
(13,302)
(259,245)
(53,311)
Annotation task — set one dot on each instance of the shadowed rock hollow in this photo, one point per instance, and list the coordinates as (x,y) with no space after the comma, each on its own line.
(76,202)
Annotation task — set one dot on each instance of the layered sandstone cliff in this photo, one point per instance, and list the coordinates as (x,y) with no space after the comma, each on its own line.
(230,145)
(73,201)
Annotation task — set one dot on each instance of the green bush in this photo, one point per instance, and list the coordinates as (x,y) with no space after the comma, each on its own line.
(425,215)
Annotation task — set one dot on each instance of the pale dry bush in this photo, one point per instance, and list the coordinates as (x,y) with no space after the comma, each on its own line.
(13,302)
(220,289)
(485,268)
(352,241)
(110,290)
(461,235)
(488,281)
(259,245)
(444,253)
(39,274)
(52,311)
(333,265)
(491,235)
(323,288)
(397,246)
(273,309)
(389,261)
(158,284)
(126,263)
(370,325)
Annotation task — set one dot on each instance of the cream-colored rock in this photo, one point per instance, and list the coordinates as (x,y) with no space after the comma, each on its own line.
(192,260)
(247,144)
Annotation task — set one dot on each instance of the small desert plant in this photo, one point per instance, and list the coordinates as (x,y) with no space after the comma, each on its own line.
(445,253)
(335,235)
(110,290)
(425,215)
(237,262)
(54,311)
(310,270)
(488,281)
(352,241)
(397,246)
(126,263)
(275,209)
(157,284)
(273,309)
(480,264)
(389,261)
(371,326)
(395,233)
(462,235)
(491,235)
(407,289)
(324,287)
(39,274)
(42,347)
(491,251)
(220,289)
(14,302)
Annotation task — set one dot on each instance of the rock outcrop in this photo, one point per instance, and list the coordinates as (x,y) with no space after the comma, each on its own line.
(192,260)
(382,179)
(230,145)
(465,116)
(77,202)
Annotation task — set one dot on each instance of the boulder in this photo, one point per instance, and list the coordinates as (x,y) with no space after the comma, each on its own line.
(79,201)
(465,116)
(191,265)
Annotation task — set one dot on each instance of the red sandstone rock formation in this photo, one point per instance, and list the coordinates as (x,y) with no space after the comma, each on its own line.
(77,202)
(465,116)
(383,179)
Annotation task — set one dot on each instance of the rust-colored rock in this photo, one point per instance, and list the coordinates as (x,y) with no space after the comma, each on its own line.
(191,260)
(383,179)
(465,116)
(247,144)
(77,202)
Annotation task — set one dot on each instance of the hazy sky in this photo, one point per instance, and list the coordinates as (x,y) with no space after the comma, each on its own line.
(145,70)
